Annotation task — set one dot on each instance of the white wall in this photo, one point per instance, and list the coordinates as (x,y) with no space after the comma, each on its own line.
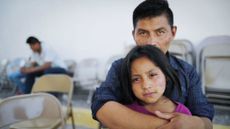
(78,29)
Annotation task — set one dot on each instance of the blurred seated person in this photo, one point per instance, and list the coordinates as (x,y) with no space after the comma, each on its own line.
(43,60)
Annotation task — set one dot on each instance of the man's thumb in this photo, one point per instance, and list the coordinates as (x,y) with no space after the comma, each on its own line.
(166,116)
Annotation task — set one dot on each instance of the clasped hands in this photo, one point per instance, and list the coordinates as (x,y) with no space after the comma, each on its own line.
(27,70)
(177,120)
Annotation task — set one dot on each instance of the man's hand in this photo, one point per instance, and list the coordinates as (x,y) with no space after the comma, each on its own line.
(43,67)
(183,121)
(166,116)
(27,70)
(117,116)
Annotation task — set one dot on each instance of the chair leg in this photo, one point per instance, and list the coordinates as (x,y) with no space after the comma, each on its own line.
(100,125)
(72,117)
(90,96)
(73,125)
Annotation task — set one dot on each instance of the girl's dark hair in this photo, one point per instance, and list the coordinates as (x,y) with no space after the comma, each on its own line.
(159,59)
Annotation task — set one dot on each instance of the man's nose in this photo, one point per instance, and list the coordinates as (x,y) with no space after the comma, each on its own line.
(154,43)
(152,40)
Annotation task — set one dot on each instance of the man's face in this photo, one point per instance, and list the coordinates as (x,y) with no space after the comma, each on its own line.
(36,47)
(154,31)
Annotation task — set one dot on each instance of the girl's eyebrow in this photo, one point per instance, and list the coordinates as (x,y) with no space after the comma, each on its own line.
(135,75)
(152,70)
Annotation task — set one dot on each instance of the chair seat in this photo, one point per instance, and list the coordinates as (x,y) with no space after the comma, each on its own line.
(43,123)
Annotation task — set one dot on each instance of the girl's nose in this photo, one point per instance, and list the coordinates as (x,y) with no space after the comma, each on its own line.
(146,84)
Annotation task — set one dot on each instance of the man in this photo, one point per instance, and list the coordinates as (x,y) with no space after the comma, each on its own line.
(42,61)
(153,24)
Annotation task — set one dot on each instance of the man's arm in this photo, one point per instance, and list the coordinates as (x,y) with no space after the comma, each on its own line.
(196,101)
(36,69)
(116,116)
(109,112)
(182,121)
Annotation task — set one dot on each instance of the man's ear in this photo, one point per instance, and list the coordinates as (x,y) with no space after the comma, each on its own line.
(174,30)
(133,33)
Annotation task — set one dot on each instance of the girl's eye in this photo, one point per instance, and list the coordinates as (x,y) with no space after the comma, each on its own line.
(152,74)
(135,80)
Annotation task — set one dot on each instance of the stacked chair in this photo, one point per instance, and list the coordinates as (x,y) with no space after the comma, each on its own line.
(183,49)
(7,67)
(86,76)
(71,66)
(214,62)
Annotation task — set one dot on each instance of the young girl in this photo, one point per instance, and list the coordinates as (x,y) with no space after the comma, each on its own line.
(147,79)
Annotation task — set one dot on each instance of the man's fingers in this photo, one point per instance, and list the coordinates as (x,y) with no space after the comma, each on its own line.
(166,116)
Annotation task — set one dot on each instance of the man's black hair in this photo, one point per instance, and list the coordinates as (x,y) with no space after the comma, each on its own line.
(32,40)
(152,8)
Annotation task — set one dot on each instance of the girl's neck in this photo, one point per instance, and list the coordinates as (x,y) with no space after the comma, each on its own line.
(164,104)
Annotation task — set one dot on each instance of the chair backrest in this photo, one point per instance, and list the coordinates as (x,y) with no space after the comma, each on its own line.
(7,87)
(71,66)
(184,50)
(29,106)
(15,65)
(86,74)
(3,64)
(3,74)
(214,63)
(60,83)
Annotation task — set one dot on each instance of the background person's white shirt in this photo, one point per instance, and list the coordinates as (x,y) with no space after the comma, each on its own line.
(47,55)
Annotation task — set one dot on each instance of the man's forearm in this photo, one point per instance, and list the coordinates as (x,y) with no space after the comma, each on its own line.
(183,121)
(201,123)
(207,123)
(42,67)
(117,116)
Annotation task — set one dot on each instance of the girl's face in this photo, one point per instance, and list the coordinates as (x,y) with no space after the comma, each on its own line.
(148,81)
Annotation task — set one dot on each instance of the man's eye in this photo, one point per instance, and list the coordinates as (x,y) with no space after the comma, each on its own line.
(142,33)
(160,32)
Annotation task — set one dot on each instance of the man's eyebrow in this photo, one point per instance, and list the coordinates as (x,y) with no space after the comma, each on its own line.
(161,28)
(140,29)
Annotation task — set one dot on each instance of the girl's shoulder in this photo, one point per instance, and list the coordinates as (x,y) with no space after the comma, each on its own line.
(181,108)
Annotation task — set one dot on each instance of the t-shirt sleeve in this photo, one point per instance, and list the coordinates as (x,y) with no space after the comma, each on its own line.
(182,109)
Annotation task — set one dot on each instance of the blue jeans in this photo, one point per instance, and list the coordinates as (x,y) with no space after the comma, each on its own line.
(16,78)
(30,78)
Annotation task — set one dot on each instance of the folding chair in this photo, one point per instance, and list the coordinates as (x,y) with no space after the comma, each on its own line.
(184,50)
(214,67)
(86,76)
(8,67)
(58,83)
(31,111)
(71,66)
(3,74)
